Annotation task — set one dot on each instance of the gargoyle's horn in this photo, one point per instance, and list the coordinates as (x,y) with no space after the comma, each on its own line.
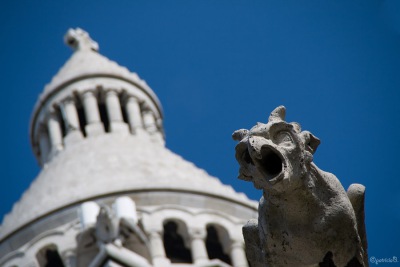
(239,134)
(278,114)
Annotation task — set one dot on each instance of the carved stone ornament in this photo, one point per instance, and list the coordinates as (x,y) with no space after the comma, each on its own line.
(78,39)
(306,218)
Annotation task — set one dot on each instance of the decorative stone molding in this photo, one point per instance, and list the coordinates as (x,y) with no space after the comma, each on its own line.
(108,227)
(78,39)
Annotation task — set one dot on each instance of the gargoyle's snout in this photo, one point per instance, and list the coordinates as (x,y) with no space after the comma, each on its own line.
(270,161)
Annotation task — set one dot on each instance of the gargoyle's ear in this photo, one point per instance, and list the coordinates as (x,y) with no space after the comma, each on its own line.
(311,142)
(239,134)
(296,127)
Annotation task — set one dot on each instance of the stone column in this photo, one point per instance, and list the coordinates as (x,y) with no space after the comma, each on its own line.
(157,250)
(134,115)
(44,145)
(70,115)
(55,134)
(199,250)
(94,125)
(149,121)
(114,112)
(71,121)
(238,256)
(150,126)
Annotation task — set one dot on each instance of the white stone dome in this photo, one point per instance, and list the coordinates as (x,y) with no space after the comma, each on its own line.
(86,165)
(107,165)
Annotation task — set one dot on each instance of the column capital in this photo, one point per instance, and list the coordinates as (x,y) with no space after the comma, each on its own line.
(111,91)
(52,116)
(199,250)
(146,108)
(88,92)
(197,233)
(67,100)
(126,97)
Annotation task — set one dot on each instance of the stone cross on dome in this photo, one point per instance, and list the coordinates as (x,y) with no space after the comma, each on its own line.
(79,39)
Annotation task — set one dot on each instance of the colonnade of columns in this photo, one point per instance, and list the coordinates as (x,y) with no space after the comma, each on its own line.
(65,120)
(197,247)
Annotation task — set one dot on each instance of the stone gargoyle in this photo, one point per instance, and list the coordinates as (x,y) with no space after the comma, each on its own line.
(306,218)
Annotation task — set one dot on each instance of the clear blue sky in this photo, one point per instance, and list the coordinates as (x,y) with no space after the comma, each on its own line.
(218,66)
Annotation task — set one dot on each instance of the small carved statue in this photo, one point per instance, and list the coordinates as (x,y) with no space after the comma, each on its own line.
(305,216)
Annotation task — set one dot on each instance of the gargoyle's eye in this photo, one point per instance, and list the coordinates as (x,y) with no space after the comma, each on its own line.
(283,138)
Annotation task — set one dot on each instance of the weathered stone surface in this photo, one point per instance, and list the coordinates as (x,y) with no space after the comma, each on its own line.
(305,216)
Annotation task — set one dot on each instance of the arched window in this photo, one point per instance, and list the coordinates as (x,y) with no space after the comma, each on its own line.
(215,248)
(49,257)
(174,243)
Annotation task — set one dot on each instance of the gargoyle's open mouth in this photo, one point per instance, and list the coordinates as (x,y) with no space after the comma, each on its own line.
(271,162)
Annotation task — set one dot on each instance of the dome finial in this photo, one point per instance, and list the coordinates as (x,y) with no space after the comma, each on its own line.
(79,39)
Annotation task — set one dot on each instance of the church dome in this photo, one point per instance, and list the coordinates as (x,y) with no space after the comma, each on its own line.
(97,132)
(110,165)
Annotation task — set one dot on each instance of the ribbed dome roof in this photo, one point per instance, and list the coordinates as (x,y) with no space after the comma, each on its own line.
(110,164)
